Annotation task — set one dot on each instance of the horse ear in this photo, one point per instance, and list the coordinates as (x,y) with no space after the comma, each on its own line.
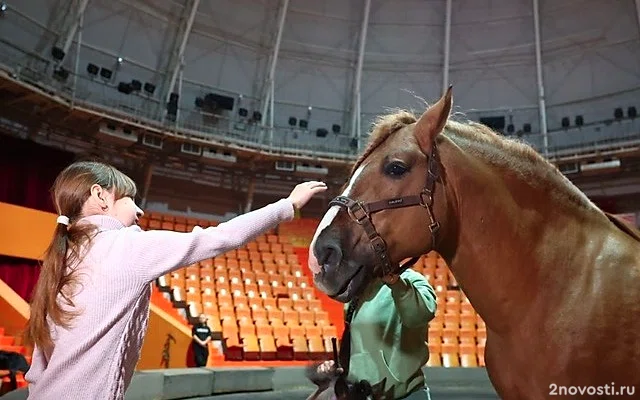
(432,122)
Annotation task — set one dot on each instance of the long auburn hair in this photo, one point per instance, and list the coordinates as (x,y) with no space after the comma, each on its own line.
(52,300)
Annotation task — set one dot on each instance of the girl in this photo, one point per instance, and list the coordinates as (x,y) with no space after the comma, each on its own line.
(91,303)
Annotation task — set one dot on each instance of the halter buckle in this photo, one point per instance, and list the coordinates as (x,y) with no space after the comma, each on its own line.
(358,208)
(429,198)
(379,246)
(434,227)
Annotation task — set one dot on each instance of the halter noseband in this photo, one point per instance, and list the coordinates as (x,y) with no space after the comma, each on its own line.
(361,212)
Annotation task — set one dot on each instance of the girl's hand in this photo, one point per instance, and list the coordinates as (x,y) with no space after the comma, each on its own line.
(303,192)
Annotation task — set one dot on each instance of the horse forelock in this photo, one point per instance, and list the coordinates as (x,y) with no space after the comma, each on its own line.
(383,128)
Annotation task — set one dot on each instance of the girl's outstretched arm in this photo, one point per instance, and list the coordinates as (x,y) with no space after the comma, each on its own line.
(151,254)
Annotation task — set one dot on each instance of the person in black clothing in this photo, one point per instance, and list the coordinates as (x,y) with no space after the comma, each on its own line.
(200,344)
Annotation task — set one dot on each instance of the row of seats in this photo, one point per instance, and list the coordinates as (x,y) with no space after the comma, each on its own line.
(12,344)
(229,288)
(451,355)
(259,300)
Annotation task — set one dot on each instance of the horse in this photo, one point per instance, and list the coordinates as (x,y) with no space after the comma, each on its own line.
(555,278)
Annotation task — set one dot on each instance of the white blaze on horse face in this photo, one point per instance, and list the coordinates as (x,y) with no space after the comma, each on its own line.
(327,219)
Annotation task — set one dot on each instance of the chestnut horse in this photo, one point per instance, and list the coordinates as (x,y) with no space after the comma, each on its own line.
(556,280)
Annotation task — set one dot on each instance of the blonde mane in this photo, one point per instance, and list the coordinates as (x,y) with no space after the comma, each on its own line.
(508,153)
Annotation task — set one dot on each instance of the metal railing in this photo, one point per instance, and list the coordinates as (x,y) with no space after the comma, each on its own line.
(102,96)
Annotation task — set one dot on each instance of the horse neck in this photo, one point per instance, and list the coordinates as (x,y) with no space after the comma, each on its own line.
(505,236)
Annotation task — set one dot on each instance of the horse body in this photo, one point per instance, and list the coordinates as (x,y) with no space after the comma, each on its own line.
(558,286)
(556,280)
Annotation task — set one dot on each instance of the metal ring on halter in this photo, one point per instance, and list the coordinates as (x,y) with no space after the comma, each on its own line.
(429,195)
(351,212)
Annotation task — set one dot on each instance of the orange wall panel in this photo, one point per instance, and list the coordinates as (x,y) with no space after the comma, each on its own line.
(25,232)
(15,311)
(161,327)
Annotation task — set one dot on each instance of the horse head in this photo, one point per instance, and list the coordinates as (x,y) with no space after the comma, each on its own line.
(393,185)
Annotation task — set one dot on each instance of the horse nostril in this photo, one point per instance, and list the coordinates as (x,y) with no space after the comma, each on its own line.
(330,254)
(324,255)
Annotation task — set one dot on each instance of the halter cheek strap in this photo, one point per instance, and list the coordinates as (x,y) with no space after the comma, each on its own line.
(361,212)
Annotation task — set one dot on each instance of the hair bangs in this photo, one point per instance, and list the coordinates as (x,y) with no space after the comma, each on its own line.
(122,185)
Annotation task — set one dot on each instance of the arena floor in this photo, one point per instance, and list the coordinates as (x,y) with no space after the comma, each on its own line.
(302,394)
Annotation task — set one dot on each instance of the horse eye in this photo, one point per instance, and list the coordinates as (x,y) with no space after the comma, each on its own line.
(395,169)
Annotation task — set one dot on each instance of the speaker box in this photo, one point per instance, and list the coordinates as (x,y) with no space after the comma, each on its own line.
(219,102)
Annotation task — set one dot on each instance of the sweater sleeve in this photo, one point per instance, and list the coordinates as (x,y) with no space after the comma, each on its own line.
(152,254)
(415,299)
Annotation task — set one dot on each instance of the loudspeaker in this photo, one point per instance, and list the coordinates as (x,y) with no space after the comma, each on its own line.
(565,122)
(61,74)
(219,102)
(92,69)
(321,132)
(124,88)
(579,120)
(136,85)
(172,108)
(106,73)
(495,123)
(149,88)
(57,53)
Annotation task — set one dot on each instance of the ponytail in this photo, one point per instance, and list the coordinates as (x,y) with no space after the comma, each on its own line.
(57,278)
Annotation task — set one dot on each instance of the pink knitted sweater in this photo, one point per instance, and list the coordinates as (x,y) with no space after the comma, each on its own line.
(95,359)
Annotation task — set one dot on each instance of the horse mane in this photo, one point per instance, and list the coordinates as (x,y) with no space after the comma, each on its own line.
(504,152)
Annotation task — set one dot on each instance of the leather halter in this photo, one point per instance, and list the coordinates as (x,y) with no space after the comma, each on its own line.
(361,212)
